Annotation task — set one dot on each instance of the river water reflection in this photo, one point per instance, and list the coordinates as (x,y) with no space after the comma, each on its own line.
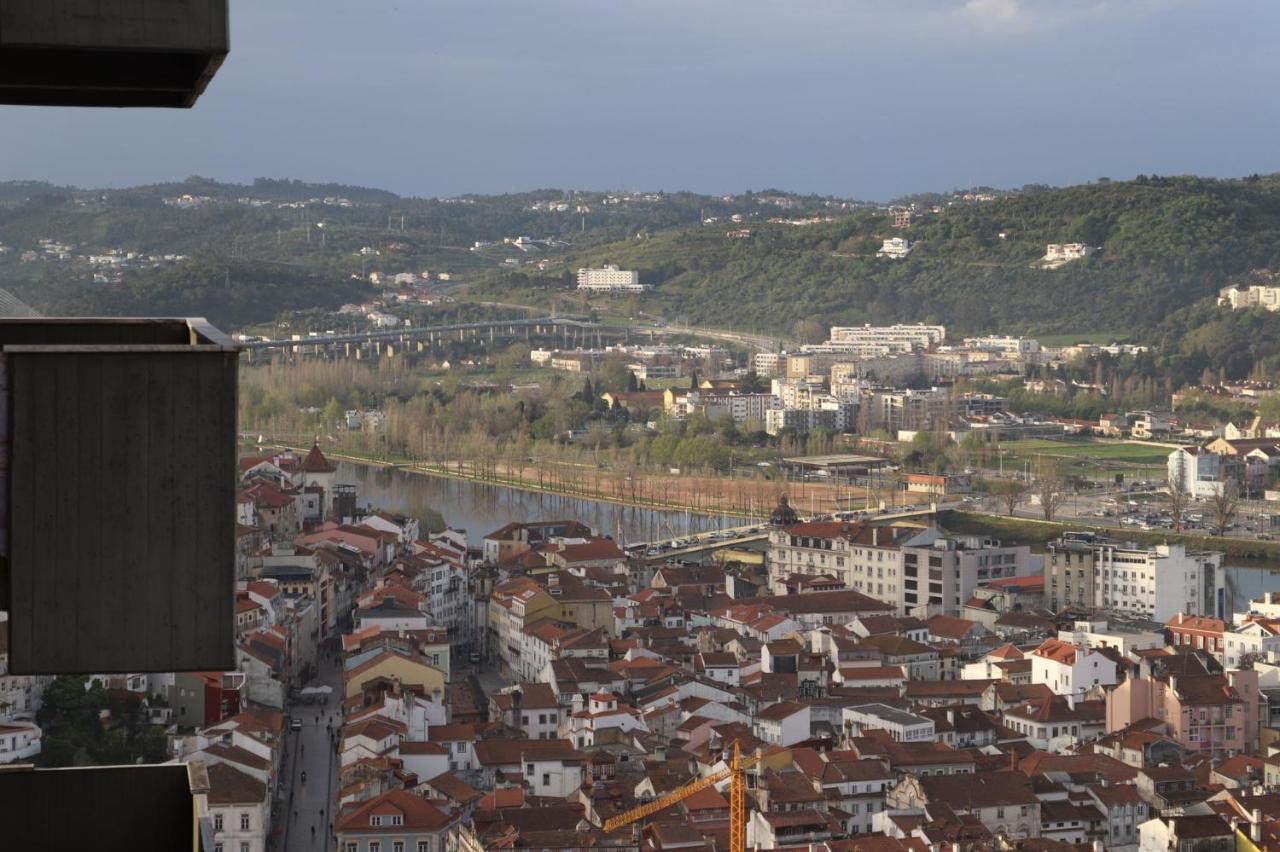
(480,508)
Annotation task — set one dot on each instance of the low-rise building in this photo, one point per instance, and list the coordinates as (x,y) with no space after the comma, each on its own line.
(394,821)
(1071,670)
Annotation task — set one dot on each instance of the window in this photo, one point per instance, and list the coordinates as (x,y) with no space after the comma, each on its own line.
(353,847)
(424,846)
(397,846)
(217,822)
(397,819)
(244,846)
(217,847)
(244,821)
(999,813)
(375,846)
(528,769)
(546,779)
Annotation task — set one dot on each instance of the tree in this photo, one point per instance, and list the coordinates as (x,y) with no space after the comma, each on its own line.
(1011,492)
(1224,504)
(1177,495)
(752,383)
(1051,487)
(332,411)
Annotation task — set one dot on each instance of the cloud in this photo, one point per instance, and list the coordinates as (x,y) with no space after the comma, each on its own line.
(997,12)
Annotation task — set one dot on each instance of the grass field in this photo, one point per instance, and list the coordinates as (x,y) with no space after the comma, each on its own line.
(1087,458)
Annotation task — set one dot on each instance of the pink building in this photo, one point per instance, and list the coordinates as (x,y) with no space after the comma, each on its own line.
(1216,713)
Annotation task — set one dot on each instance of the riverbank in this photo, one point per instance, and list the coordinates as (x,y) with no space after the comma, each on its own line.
(746,498)
(1035,532)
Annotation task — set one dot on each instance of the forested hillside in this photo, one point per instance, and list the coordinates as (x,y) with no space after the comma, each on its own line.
(796,263)
(1166,243)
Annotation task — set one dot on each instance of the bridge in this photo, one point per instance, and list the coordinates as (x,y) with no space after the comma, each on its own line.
(574,331)
(702,542)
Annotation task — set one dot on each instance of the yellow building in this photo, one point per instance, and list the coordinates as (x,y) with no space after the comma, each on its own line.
(392,667)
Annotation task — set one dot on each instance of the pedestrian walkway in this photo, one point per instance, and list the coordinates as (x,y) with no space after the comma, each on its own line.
(311,750)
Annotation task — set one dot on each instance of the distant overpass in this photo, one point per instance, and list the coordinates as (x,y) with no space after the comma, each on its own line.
(581,331)
(735,536)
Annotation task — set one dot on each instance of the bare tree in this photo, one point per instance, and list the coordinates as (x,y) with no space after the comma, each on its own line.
(1224,504)
(1051,487)
(1011,492)
(1178,495)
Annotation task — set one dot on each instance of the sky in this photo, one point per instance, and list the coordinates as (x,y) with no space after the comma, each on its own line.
(868,99)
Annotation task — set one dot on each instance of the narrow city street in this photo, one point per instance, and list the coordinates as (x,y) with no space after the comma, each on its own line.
(311,750)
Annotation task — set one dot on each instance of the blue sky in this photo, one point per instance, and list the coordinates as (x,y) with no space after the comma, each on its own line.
(863,98)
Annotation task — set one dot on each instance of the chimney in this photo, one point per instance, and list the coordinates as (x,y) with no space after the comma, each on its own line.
(875,536)
(1013,760)
(1255,825)
(516,698)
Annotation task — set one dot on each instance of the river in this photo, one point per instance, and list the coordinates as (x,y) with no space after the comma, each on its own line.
(479,507)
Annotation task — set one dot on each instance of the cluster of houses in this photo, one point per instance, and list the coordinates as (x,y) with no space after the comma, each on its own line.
(902,689)
(897,686)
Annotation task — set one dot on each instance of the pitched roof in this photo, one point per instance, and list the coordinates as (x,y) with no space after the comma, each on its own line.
(315,462)
(781,710)
(950,627)
(453,787)
(416,813)
(983,790)
(230,786)
(1058,651)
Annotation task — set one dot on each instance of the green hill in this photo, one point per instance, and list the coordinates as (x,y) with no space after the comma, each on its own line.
(1166,244)
(252,250)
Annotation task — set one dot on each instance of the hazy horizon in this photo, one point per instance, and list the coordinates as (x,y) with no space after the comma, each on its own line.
(865,99)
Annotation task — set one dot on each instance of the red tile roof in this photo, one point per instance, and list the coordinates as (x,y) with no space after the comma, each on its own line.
(416,813)
(315,462)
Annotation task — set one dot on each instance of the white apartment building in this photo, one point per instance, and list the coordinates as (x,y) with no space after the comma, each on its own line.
(1159,582)
(1020,347)
(1069,669)
(740,406)
(865,558)
(895,248)
(920,572)
(908,409)
(610,279)
(1258,636)
(768,364)
(1253,296)
(1201,472)
(940,573)
(828,414)
(895,338)
(1064,252)
(237,809)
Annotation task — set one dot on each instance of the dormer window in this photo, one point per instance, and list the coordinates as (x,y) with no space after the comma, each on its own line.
(397,819)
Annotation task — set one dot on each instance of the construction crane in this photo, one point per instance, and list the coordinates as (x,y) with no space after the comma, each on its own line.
(735,771)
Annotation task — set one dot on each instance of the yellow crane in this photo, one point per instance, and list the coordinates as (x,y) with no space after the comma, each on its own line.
(735,771)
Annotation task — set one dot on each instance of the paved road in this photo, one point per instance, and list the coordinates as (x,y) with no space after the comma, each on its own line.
(311,751)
